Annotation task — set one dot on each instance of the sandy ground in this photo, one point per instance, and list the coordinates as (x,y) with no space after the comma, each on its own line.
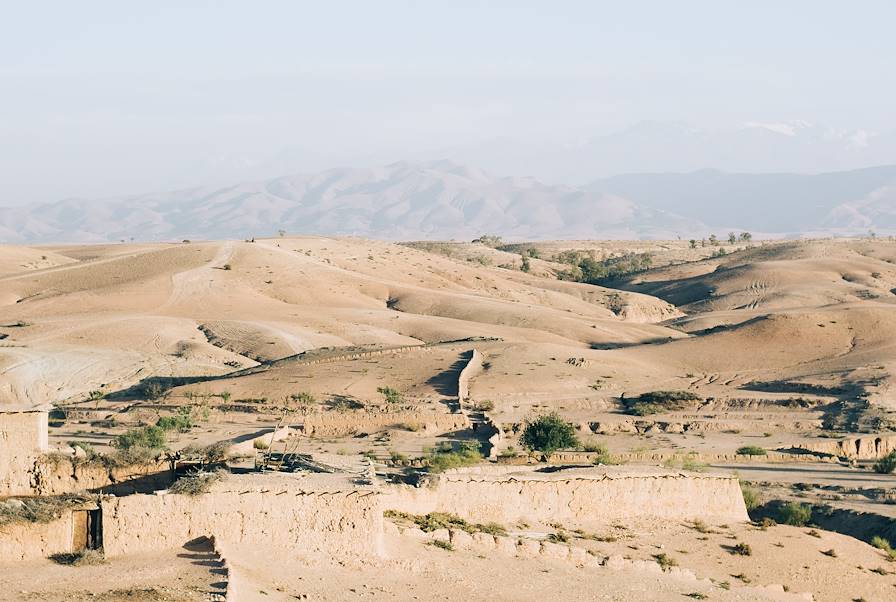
(186,575)
(782,343)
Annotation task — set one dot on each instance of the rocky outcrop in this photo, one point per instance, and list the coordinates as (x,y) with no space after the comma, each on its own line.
(866,447)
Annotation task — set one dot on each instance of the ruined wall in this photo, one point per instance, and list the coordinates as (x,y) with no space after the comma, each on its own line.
(473,367)
(27,541)
(561,497)
(313,522)
(23,437)
(56,474)
(868,447)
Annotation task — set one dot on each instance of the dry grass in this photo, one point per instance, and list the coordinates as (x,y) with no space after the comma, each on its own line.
(80,558)
(196,483)
(39,509)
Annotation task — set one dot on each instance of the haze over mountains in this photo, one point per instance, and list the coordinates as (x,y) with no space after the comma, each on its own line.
(445,200)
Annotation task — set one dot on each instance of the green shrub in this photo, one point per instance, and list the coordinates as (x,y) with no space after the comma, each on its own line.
(887,464)
(548,433)
(751,450)
(147,437)
(665,561)
(390,395)
(795,514)
(440,543)
(445,457)
(182,421)
(742,549)
(882,544)
(751,496)
(655,402)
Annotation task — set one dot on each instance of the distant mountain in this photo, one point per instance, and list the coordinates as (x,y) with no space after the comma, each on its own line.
(671,147)
(445,200)
(438,199)
(838,202)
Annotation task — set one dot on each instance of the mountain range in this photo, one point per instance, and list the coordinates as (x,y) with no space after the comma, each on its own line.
(444,200)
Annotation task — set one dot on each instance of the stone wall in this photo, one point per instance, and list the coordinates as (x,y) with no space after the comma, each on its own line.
(579,496)
(261,512)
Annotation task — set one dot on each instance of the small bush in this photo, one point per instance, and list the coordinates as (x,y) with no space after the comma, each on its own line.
(196,483)
(80,558)
(656,402)
(751,450)
(751,496)
(260,444)
(887,464)
(303,398)
(445,457)
(181,422)
(665,561)
(390,395)
(742,549)
(832,553)
(548,433)
(882,544)
(148,437)
(486,405)
(795,514)
(441,543)
(558,537)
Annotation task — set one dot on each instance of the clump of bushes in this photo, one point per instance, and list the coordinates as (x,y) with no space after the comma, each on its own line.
(548,433)
(795,514)
(751,450)
(182,421)
(887,464)
(197,483)
(585,267)
(445,456)
(147,437)
(603,453)
(742,549)
(445,545)
(656,402)
(687,461)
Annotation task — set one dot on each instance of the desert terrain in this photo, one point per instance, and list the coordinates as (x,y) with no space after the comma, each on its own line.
(772,361)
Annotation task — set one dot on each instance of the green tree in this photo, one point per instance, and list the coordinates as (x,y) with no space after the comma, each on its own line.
(548,433)
(693,243)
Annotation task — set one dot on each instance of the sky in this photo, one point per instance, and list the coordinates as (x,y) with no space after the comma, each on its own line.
(109,98)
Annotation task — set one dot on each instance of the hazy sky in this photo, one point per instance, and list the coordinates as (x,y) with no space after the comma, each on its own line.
(101,98)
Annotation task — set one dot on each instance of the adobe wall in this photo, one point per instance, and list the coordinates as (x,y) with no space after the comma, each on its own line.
(27,541)
(473,367)
(23,437)
(263,512)
(55,474)
(339,424)
(582,497)
(23,433)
